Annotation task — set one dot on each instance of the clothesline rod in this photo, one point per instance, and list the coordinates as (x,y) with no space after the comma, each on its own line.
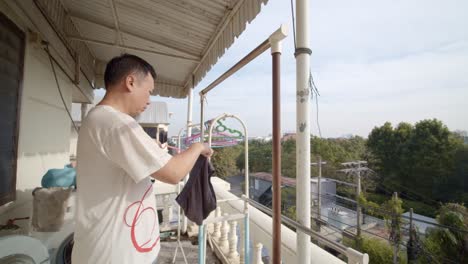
(239,65)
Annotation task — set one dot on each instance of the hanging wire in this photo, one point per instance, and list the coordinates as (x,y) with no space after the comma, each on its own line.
(314,90)
(58,87)
(293,24)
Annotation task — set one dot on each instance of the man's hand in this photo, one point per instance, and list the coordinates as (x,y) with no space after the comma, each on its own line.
(181,164)
(204,149)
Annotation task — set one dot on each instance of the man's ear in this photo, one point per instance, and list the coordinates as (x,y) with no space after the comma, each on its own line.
(130,82)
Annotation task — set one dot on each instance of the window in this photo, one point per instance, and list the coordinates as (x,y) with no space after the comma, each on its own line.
(151,131)
(12,41)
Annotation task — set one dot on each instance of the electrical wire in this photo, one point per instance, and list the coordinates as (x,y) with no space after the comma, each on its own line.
(371,233)
(58,87)
(433,202)
(389,213)
(293,23)
(385,238)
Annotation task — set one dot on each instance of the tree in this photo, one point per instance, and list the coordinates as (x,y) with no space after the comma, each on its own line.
(449,243)
(394,222)
(224,160)
(335,151)
(288,158)
(421,157)
(378,250)
(260,159)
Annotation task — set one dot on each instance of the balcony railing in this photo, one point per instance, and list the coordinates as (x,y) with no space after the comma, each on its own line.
(226,238)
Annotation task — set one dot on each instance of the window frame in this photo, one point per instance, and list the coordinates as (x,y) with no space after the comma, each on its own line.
(8,23)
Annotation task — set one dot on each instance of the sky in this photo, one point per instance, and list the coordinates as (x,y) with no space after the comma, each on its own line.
(372,62)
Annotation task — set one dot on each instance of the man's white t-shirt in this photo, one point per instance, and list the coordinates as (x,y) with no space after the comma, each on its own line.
(116,217)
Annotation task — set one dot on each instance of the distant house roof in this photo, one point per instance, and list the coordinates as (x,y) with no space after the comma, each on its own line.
(155,113)
(288,136)
(286,181)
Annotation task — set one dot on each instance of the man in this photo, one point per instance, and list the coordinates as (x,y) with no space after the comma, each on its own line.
(116,218)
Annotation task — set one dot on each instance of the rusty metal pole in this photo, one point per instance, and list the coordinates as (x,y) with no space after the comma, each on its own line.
(275,41)
(276,159)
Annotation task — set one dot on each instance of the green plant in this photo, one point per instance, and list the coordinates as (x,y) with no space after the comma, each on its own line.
(379,251)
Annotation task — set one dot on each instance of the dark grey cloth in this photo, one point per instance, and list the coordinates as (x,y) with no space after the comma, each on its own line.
(198,198)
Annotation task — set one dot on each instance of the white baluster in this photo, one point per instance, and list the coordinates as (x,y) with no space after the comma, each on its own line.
(233,255)
(217,226)
(223,241)
(258,254)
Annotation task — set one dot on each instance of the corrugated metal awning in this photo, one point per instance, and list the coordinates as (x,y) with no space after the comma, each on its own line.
(182,39)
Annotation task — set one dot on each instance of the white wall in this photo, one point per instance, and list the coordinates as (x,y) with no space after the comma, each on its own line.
(44,125)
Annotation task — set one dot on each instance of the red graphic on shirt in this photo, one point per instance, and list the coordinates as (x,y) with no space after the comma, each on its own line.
(142,247)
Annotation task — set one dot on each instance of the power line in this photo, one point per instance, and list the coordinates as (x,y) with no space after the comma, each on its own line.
(293,24)
(433,202)
(387,239)
(410,197)
(374,234)
(389,213)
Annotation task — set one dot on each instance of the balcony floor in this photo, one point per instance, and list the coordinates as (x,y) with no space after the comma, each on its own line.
(191,252)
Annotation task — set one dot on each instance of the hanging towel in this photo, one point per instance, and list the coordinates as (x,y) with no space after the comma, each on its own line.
(198,198)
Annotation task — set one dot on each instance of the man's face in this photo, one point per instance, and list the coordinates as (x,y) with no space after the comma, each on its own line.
(143,87)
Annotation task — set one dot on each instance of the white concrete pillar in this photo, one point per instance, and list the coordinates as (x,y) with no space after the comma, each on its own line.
(189,133)
(302,54)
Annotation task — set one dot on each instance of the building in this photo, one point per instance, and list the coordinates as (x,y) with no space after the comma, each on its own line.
(261,182)
(327,190)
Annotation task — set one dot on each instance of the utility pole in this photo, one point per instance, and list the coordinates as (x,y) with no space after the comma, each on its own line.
(356,168)
(410,247)
(395,236)
(319,163)
(358,194)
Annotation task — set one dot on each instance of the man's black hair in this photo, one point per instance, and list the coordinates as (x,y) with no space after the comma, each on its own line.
(119,67)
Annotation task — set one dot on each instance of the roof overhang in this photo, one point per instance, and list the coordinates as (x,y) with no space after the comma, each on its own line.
(182,39)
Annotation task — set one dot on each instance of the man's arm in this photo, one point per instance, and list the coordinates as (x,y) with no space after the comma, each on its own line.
(180,165)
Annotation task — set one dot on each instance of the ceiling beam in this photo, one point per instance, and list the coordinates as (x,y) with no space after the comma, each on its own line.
(110,44)
(116,24)
(186,54)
